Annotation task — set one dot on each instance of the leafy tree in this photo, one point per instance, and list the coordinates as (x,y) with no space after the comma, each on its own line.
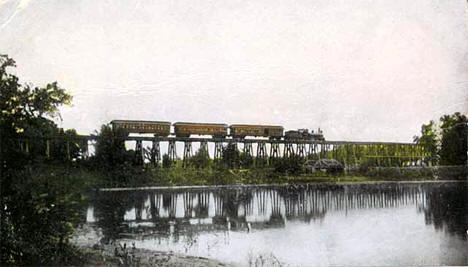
(22,104)
(36,212)
(289,165)
(26,113)
(454,139)
(110,147)
(246,160)
(200,159)
(230,156)
(428,140)
(446,143)
(166,161)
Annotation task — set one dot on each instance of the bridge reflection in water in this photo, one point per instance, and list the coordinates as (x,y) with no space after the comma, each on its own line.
(383,223)
(242,208)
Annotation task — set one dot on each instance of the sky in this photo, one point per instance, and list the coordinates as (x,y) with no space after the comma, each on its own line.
(361,70)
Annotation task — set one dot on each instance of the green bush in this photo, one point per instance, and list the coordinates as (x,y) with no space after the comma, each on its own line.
(451,172)
(166,161)
(38,220)
(110,148)
(37,212)
(404,173)
(289,165)
(200,160)
(230,157)
(246,160)
(384,173)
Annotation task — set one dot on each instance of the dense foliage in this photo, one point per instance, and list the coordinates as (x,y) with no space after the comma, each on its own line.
(110,148)
(201,159)
(447,142)
(454,143)
(290,165)
(428,140)
(231,156)
(37,213)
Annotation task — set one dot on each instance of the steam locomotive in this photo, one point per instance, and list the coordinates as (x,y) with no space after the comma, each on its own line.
(303,134)
(216,130)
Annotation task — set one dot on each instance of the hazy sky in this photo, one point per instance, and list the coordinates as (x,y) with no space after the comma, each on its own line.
(361,70)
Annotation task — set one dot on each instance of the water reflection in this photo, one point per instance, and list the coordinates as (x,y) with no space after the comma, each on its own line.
(447,209)
(215,218)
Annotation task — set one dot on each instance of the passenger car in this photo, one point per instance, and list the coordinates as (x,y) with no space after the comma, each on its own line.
(185,129)
(158,128)
(243,130)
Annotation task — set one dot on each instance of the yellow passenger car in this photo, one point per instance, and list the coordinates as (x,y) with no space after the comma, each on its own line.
(158,128)
(243,130)
(185,129)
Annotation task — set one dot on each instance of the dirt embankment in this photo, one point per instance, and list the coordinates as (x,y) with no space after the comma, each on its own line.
(100,253)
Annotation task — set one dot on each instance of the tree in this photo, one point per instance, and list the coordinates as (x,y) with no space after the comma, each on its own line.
(35,214)
(201,159)
(290,165)
(446,143)
(246,160)
(166,161)
(230,157)
(26,112)
(454,139)
(428,140)
(21,104)
(110,147)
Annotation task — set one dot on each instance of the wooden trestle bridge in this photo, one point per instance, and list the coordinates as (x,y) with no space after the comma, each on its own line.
(348,152)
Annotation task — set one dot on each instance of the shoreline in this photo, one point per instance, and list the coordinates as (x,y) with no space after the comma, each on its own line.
(177,187)
(113,254)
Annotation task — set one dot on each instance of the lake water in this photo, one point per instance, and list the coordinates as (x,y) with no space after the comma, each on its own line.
(314,225)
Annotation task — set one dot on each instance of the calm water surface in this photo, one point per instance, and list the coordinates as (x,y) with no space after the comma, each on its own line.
(355,224)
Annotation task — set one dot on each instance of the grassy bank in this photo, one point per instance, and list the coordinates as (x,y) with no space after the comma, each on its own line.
(82,178)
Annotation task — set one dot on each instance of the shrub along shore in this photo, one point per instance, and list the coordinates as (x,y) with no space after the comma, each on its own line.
(83,177)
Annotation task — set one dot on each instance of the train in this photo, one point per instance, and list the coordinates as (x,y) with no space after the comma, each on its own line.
(216,130)
(304,135)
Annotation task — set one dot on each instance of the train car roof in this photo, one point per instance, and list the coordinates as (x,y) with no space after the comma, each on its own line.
(200,123)
(258,125)
(133,121)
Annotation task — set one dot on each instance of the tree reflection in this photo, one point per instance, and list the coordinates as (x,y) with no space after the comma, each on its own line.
(447,208)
